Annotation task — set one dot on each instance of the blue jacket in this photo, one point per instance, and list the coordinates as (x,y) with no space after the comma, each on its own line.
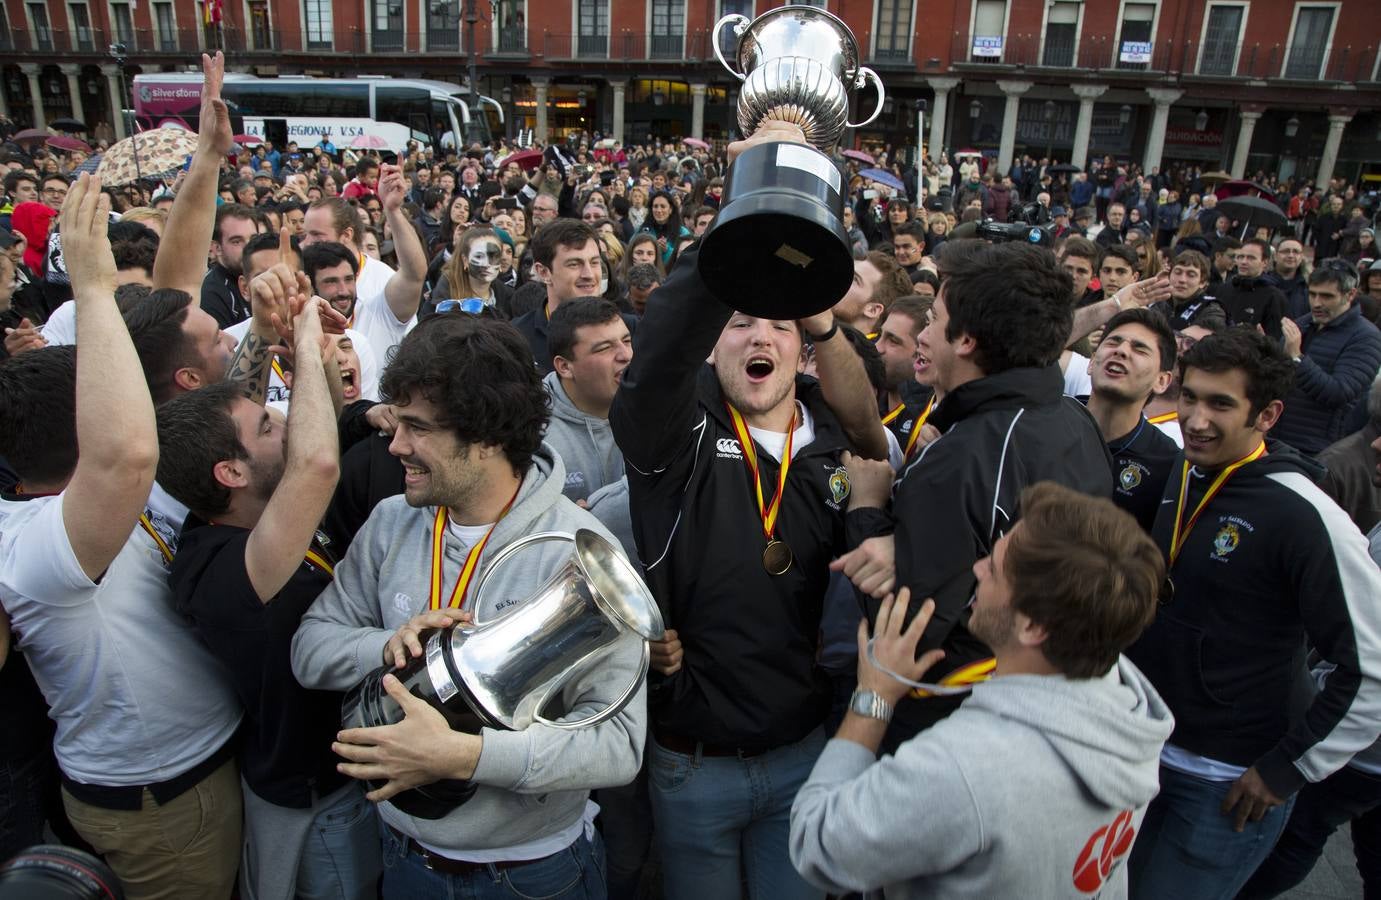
(1337,365)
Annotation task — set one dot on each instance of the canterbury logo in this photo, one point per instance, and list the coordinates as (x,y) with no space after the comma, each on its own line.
(728,447)
(1104,850)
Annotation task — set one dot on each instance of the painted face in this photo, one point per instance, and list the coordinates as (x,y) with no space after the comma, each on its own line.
(483,260)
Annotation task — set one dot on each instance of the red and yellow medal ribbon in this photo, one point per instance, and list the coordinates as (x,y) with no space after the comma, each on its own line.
(278,370)
(768,511)
(472,559)
(916,430)
(1180,534)
(1163,417)
(892,416)
(320,561)
(973,673)
(163,547)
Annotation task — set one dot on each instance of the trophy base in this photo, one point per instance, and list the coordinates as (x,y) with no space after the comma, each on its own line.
(368,705)
(778,249)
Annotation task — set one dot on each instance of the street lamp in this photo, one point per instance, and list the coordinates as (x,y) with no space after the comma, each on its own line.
(1124,115)
(1291,126)
(975,109)
(1201,120)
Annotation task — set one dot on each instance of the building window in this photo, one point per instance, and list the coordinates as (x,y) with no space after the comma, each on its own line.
(43,34)
(165,25)
(592,25)
(1309,44)
(320,29)
(668,29)
(728,41)
(893,30)
(387,21)
(80,22)
(6,39)
(512,31)
(989,19)
(123,23)
(818,4)
(260,25)
(1221,31)
(1061,32)
(1135,42)
(443,25)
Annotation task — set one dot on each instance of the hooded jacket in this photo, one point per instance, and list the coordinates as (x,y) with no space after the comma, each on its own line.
(531,783)
(1250,302)
(1271,564)
(584,442)
(1336,367)
(955,812)
(35,222)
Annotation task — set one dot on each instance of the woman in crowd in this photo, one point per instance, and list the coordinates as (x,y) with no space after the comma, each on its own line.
(473,271)
(664,224)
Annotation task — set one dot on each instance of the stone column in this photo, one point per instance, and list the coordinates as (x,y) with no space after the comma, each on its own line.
(1013,90)
(698,111)
(1244,141)
(1155,141)
(31,71)
(939,113)
(539,131)
(74,89)
(620,88)
(4,102)
(1337,123)
(117,100)
(1088,94)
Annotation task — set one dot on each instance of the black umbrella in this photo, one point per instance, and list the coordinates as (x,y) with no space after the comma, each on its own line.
(1063,169)
(68,125)
(1253,212)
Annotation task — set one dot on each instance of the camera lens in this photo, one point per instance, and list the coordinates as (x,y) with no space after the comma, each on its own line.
(54,872)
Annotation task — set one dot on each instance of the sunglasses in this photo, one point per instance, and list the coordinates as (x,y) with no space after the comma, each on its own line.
(472,305)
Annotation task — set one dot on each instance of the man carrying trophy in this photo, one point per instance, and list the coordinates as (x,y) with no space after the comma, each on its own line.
(737,487)
(498,800)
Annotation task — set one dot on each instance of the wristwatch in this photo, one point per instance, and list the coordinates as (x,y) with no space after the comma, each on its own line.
(869,704)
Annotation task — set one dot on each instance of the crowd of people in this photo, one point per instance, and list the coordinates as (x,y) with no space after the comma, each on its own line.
(1039,571)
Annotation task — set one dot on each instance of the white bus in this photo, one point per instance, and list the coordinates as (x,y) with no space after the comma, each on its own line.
(305,109)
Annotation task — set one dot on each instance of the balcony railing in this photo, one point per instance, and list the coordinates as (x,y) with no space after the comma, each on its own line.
(627,46)
(512,40)
(444,40)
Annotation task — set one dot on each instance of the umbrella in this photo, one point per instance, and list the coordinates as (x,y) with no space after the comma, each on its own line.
(89,165)
(961,154)
(1253,212)
(69,144)
(860,156)
(606,144)
(31,136)
(68,125)
(1215,177)
(247,140)
(369,142)
(1064,169)
(696,143)
(149,154)
(882,176)
(529,159)
(1238,188)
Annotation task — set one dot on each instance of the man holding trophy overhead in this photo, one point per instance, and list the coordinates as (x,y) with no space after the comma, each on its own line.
(479,793)
(736,473)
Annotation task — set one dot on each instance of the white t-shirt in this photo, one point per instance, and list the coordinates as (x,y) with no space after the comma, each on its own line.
(1171,429)
(61,327)
(278,393)
(774,442)
(1077,381)
(373,318)
(136,696)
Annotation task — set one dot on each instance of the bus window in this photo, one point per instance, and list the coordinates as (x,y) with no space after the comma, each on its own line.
(442,125)
(294,99)
(406,106)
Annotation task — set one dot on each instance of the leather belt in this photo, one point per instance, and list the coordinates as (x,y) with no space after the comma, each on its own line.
(679,743)
(447,866)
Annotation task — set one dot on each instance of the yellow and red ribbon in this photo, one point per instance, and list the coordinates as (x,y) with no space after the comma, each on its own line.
(892,416)
(767,510)
(472,559)
(916,430)
(1180,534)
(1164,417)
(147,525)
(973,673)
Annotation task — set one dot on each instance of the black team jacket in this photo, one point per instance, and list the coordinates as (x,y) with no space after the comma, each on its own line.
(1271,563)
(749,679)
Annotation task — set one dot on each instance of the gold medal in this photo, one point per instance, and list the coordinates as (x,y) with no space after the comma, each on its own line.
(776,559)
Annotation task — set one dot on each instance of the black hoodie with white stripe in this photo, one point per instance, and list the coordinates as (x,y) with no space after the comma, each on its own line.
(1272,563)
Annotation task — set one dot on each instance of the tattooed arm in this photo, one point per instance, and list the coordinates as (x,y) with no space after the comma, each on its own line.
(251,364)
(276,296)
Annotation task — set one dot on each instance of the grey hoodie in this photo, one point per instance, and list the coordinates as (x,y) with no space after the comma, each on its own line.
(533,783)
(584,442)
(1019,793)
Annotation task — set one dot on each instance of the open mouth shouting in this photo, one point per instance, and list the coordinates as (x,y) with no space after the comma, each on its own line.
(349,384)
(759,368)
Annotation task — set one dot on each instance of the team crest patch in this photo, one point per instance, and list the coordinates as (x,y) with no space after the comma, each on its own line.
(839,484)
(1130,477)
(1226,540)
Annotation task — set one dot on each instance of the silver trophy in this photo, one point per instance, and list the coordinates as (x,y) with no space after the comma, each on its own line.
(778,248)
(504,672)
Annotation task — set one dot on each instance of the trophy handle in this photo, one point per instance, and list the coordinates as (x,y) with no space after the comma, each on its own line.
(609,711)
(504,555)
(742,26)
(864,75)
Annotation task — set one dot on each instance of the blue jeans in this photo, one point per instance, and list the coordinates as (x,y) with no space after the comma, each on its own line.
(1348,795)
(720,818)
(576,873)
(1187,848)
(341,858)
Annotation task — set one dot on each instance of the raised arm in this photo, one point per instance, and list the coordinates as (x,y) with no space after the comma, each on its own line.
(404,290)
(270,295)
(119,452)
(1093,316)
(289,523)
(181,260)
(846,387)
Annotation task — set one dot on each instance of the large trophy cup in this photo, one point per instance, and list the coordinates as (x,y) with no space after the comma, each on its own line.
(504,672)
(778,248)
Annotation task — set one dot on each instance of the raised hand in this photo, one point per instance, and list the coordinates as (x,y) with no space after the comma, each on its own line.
(216,135)
(392,187)
(85,241)
(894,648)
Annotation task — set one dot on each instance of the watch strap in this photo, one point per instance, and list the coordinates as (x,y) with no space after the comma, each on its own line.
(869,704)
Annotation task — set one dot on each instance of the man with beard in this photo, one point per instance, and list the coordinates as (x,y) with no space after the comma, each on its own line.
(991,349)
(1063,593)
(470,412)
(1247,297)
(878,280)
(249,563)
(220,291)
(737,487)
(1263,564)
(1131,364)
(906,404)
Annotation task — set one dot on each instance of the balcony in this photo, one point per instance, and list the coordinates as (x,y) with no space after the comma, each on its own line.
(444,39)
(512,40)
(627,46)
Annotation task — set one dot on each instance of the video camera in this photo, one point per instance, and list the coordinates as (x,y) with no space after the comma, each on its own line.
(1024,225)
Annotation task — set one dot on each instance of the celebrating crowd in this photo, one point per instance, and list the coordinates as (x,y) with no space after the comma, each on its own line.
(1032,569)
